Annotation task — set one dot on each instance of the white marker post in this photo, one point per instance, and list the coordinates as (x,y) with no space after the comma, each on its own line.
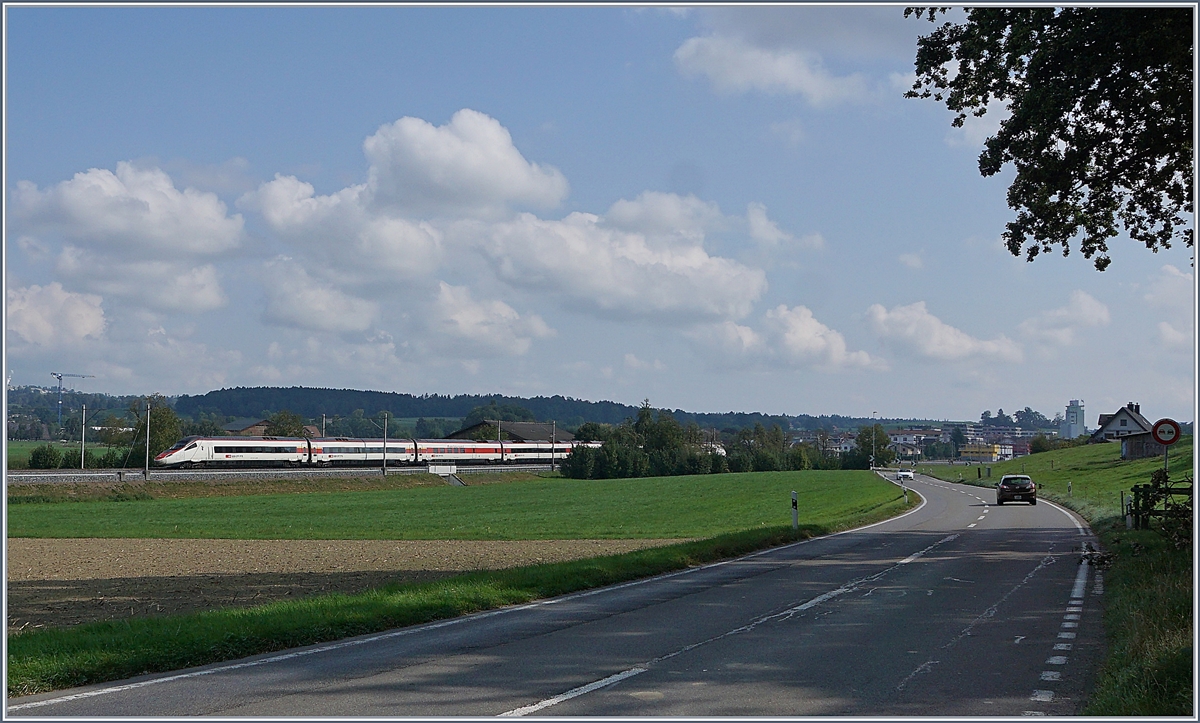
(795,512)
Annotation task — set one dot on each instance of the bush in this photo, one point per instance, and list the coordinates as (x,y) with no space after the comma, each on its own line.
(46,456)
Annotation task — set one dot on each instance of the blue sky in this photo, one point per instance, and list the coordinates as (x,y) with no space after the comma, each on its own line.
(715,209)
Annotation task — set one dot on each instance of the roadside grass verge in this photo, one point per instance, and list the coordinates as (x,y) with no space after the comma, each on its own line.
(1148,583)
(51,659)
(541,509)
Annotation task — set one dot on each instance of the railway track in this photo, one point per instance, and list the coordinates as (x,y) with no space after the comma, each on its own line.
(61,476)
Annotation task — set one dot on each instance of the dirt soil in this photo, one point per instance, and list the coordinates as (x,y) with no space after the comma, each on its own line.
(61,582)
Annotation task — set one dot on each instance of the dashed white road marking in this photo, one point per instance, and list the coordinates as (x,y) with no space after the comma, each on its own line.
(573,693)
(786,614)
(1042,696)
(971,525)
(1051,675)
(1067,636)
(1062,646)
(1056,660)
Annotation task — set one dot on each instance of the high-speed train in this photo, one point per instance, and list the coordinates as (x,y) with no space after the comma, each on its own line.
(347,451)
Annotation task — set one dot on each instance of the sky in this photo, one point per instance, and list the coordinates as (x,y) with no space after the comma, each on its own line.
(715,209)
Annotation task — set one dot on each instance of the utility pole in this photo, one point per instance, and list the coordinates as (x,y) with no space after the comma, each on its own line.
(553,441)
(147,472)
(873,439)
(385,444)
(322,424)
(83,439)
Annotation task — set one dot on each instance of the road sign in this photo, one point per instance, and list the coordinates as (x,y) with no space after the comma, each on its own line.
(1165,431)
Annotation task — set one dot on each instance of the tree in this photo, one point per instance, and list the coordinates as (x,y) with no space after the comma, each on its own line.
(45,456)
(164,427)
(874,440)
(1101,117)
(285,423)
(493,411)
(1027,418)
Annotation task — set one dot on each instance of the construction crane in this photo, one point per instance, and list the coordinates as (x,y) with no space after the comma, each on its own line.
(59,376)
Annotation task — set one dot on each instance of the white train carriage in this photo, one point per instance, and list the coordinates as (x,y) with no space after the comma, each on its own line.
(347,451)
(236,452)
(463,451)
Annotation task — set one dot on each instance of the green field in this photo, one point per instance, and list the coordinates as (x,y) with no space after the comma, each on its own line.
(1149,592)
(666,507)
(18,451)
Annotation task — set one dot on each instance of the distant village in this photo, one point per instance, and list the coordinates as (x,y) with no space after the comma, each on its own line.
(987,443)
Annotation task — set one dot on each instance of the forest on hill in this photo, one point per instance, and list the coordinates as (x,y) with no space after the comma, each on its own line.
(311,403)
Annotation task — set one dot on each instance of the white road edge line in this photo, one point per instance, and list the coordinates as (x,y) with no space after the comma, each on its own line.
(433,626)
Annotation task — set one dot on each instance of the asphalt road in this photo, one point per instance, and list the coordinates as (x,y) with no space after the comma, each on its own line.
(959,608)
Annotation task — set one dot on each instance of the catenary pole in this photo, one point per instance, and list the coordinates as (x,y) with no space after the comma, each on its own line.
(147,472)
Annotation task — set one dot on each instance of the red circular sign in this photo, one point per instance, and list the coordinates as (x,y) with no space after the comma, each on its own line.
(1166,431)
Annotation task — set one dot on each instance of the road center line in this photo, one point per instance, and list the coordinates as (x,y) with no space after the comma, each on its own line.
(784,615)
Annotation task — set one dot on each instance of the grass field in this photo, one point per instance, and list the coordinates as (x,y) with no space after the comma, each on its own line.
(18,451)
(1149,588)
(737,513)
(1096,473)
(681,507)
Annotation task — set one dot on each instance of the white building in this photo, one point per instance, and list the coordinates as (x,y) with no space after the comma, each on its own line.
(1073,423)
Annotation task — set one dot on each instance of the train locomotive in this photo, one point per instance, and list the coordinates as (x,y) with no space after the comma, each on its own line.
(201,452)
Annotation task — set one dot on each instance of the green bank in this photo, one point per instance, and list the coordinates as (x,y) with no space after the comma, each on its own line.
(1148,590)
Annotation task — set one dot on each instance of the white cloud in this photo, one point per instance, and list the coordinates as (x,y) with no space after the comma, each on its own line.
(618,272)
(133,211)
(790,337)
(468,165)
(155,285)
(912,261)
(294,299)
(657,214)
(343,235)
(632,362)
(763,229)
(51,316)
(1173,289)
(1172,338)
(914,328)
(855,32)
(733,65)
(488,327)
(1058,326)
(800,338)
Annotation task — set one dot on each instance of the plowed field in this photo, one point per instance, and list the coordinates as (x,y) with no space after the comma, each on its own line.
(61,582)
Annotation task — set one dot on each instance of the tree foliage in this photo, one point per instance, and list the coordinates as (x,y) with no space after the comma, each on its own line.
(285,423)
(164,427)
(493,411)
(1100,130)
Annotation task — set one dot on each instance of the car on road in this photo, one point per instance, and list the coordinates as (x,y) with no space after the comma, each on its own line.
(904,474)
(1016,488)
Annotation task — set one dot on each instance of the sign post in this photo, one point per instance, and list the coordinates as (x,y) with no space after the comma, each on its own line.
(795,512)
(1166,432)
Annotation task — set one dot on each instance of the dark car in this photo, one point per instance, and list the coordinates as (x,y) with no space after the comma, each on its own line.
(1016,488)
